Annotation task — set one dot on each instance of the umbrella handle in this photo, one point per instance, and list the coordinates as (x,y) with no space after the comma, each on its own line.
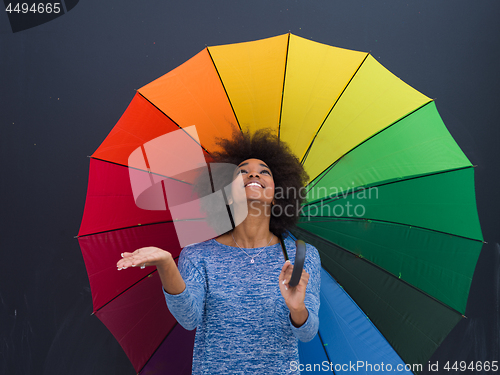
(300,257)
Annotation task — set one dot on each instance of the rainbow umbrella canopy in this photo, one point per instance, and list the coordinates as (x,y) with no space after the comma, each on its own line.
(390,202)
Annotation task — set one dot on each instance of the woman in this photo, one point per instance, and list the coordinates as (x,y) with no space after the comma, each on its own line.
(234,288)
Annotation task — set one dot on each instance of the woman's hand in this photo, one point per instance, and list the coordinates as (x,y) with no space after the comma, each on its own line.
(294,297)
(143,257)
(170,277)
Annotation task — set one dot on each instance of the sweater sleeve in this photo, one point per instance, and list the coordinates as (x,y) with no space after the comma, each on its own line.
(187,307)
(308,330)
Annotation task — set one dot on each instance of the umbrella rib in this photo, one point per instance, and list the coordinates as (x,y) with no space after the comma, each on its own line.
(123,228)
(323,174)
(224,87)
(330,111)
(378,297)
(362,312)
(142,170)
(130,287)
(380,268)
(345,194)
(324,349)
(176,124)
(391,222)
(327,169)
(119,294)
(283,87)
(162,341)
(380,183)
(383,270)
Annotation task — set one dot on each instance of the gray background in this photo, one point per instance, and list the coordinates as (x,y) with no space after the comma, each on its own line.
(64,84)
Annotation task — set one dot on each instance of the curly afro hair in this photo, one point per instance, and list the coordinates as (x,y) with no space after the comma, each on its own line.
(289,175)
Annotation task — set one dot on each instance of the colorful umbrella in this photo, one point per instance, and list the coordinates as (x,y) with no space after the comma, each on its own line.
(390,202)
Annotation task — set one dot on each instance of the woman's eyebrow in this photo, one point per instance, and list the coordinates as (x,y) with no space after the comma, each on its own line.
(262,165)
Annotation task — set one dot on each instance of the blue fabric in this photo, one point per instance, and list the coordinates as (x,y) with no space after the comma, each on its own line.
(312,356)
(243,324)
(351,340)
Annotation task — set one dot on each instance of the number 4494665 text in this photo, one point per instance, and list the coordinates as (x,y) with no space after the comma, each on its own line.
(33,8)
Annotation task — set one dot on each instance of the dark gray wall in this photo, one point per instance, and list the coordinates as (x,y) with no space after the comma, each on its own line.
(65,83)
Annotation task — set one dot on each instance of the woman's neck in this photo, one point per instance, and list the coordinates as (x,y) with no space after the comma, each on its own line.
(250,235)
(253,231)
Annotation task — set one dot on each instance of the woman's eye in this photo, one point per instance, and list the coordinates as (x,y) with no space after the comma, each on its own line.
(242,171)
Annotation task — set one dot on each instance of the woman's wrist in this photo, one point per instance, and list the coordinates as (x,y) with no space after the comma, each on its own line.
(167,262)
(299,316)
(169,274)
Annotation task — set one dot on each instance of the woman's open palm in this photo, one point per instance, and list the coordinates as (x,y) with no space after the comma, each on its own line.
(144,257)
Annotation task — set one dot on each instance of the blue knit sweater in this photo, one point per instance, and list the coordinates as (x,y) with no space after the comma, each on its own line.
(243,324)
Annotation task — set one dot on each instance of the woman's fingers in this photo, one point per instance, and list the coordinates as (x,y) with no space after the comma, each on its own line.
(294,297)
(141,257)
(286,273)
(304,279)
(126,261)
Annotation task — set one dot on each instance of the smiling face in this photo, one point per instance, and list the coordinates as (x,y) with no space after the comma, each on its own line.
(257,180)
